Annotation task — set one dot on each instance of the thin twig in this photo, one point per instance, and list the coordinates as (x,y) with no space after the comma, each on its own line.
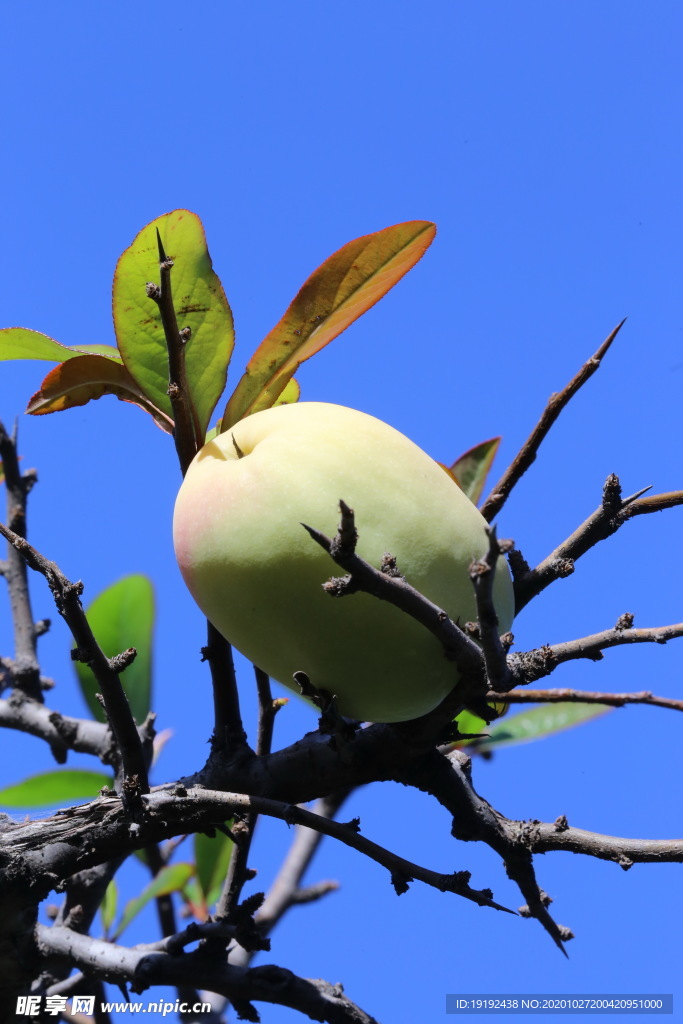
(395,590)
(529,450)
(106,670)
(474,819)
(314,998)
(166,915)
(402,870)
(268,709)
(528,666)
(229,737)
(286,891)
(611,514)
(186,430)
(25,668)
(559,835)
(238,871)
(482,574)
(560,696)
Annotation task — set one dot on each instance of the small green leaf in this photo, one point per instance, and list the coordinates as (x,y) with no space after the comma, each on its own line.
(199,302)
(172,878)
(472,725)
(289,394)
(539,722)
(108,906)
(84,378)
(20,343)
(342,288)
(122,616)
(472,468)
(212,856)
(57,787)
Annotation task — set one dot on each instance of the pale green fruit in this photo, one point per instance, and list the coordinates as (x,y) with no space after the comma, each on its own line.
(258,575)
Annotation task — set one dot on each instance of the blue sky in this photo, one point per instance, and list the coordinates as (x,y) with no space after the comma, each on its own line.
(544,141)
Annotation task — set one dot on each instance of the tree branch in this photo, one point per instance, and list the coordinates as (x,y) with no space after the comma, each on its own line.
(61,732)
(482,574)
(528,666)
(106,670)
(141,969)
(612,513)
(388,585)
(560,696)
(286,890)
(544,838)
(238,870)
(527,454)
(166,916)
(25,670)
(402,871)
(186,432)
(229,739)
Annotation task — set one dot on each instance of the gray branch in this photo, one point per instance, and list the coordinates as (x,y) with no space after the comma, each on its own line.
(141,968)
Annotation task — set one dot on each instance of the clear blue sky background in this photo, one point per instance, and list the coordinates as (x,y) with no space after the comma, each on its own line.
(544,140)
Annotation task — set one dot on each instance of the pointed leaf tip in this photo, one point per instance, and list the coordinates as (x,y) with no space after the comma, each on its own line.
(471,469)
(160,247)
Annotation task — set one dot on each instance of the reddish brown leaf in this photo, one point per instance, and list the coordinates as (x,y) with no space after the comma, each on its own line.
(84,378)
(346,285)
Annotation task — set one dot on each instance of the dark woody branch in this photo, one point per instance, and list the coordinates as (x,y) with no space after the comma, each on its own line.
(186,432)
(286,890)
(612,513)
(402,871)
(25,671)
(101,829)
(229,737)
(106,670)
(561,696)
(529,449)
(141,968)
(528,666)
(482,574)
(238,870)
(61,732)
(448,778)
(388,585)
(545,837)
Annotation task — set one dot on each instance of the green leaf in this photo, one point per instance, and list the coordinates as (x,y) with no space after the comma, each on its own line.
(472,468)
(108,906)
(212,857)
(346,285)
(20,343)
(84,378)
(56,787)
(539,722)
(122,616)
(289,394)
(171,878)
(472,725)
(199,302)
